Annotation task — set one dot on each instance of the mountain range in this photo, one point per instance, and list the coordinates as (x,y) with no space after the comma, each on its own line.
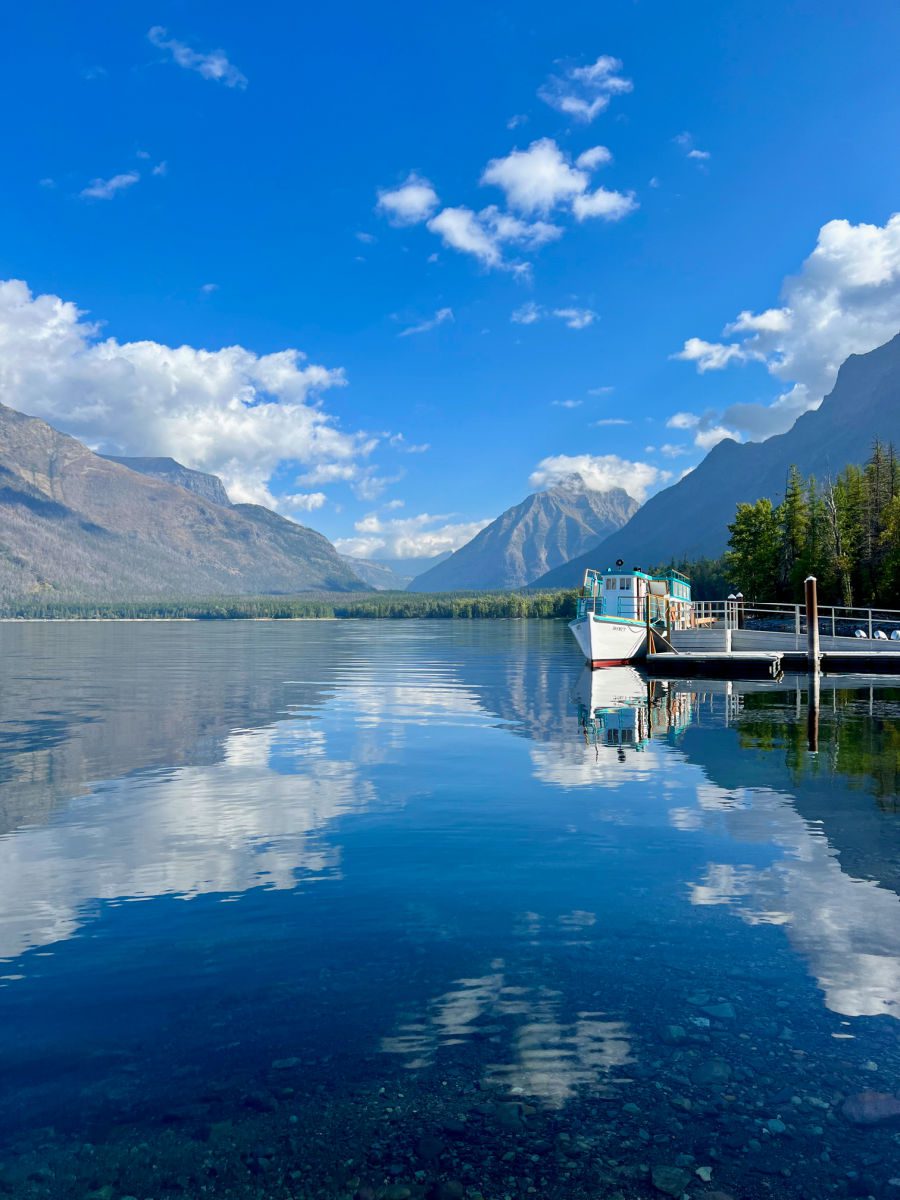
(690,519)
(391,574)
(545,530)
(75,524)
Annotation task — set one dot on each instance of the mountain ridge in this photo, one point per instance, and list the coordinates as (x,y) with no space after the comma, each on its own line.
(543,530)
(75,524)
(210,487)
(689,520)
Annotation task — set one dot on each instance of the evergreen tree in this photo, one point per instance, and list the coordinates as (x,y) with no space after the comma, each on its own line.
(794,527)
(753,558)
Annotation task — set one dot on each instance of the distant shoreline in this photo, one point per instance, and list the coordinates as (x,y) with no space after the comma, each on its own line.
(370,606)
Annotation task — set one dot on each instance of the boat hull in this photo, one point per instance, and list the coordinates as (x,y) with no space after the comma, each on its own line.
(609,641)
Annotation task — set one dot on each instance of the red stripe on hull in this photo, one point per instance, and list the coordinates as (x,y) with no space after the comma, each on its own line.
(609,662)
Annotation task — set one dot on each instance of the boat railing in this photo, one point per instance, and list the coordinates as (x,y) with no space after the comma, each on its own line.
(780,616)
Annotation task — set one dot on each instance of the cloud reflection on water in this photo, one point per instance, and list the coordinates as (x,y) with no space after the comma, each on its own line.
(546,1056)
(239,808)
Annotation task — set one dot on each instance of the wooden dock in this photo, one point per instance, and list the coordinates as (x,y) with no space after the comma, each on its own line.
(735,664)
(769,664)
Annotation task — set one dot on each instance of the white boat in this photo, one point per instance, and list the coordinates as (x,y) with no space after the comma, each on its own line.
(619,609)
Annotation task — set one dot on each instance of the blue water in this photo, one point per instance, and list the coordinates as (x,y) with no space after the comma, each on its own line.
(423,909)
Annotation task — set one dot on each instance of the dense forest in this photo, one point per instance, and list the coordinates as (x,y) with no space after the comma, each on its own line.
(373,605)
(845,531)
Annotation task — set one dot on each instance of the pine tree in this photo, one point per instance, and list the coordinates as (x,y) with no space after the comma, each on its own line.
(794,522)
(753,558)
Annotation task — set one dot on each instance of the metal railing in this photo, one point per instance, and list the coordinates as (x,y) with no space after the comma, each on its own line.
(834,620)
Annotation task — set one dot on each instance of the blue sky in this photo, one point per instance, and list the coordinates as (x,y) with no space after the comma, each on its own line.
(208,176)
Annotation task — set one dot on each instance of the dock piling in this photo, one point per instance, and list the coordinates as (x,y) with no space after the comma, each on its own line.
(812,624)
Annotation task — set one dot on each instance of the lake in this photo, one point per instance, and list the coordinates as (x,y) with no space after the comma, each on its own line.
(408,909)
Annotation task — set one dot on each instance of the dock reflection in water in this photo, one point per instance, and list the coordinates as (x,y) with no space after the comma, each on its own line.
(318,907)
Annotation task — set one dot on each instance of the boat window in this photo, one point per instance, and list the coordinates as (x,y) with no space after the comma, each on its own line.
(624,582)
(610,584)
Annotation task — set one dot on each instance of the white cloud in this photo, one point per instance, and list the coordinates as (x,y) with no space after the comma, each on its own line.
(844,300)
(303,501)
(600,472)
(366,238)
(409,204)
(542,178)
(683,420)
(712,356)
(601,391)
(507,228)
(536,180)
(707,438)
(230,411)
(707,430)
(576,318)
(773,320)
(440,317)
(461,229)
(209,288)
(105,189)
(608,205)
(597,156)
(516,120)
(408,537)
(584,92)
(484,234)
(161,169)
(527,314)
(47,182)
(214,65)
(672,451)
(610,421)
(686,142)
(566,403)
(329,472)
(399,442)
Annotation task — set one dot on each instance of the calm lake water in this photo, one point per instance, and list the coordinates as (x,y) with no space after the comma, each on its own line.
(419,909)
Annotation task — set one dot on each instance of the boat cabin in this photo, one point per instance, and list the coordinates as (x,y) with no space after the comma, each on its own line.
(618,592)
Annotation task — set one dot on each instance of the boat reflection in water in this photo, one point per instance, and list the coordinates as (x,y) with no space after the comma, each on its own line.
(619,709)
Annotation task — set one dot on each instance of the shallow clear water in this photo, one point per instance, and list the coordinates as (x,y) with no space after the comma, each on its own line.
(420,908)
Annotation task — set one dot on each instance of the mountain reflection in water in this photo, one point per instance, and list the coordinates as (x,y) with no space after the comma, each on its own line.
(430,849)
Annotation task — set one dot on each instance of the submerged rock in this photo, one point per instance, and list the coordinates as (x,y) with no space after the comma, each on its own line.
(671,1180)
(722,1012)
(713,1073)
(871,1108)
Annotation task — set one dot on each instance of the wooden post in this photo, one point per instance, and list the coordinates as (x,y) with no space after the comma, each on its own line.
(812,712)
(668,620)
(647,613)
(812,624)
